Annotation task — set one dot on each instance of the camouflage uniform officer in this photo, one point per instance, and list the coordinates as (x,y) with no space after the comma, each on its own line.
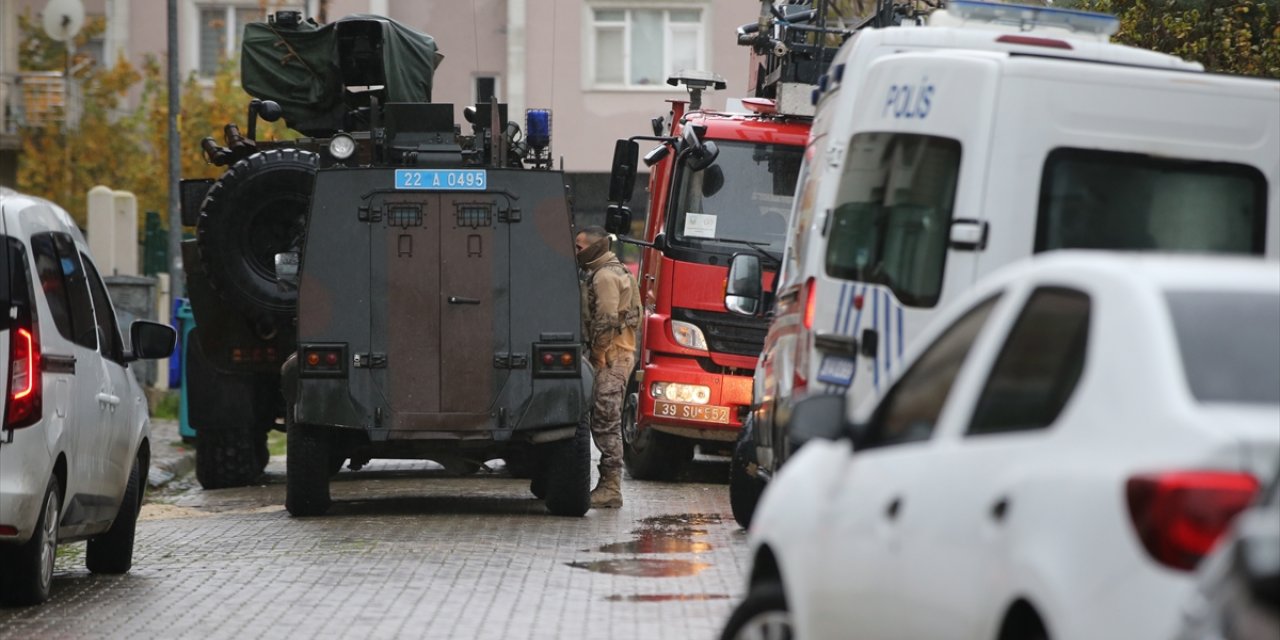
(611,315)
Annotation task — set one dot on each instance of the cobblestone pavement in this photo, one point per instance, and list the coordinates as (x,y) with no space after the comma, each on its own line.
(408,552)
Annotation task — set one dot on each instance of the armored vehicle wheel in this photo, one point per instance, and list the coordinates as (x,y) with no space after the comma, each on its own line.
(650,454)
(538,486)
(227,457)
(566,473)
(335,463)
(112,552)
(257,209)
(309,467)
(261,454)
(744,490)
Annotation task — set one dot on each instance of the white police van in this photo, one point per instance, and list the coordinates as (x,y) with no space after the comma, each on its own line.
(927,169)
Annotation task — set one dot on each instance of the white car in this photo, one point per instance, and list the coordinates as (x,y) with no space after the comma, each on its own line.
(74,446)
(1067,441)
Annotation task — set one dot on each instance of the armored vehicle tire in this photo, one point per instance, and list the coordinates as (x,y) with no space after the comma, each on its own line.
(228,456)
(309,467)
(650,454)
(28,568)
(567,474)
(538,486)
(112,552)
(258,208)
(335,463)
(744,490)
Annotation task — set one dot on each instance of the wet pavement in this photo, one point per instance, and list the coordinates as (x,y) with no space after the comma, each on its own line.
(407,551)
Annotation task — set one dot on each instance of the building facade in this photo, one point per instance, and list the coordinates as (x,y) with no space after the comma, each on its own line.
(599,65)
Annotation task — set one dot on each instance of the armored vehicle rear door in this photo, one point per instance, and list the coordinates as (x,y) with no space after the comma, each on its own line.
(440,306)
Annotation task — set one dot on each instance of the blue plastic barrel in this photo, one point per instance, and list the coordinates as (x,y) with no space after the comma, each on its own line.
(187,320)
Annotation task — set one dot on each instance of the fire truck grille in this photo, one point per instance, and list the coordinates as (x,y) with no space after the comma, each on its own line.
(727,333)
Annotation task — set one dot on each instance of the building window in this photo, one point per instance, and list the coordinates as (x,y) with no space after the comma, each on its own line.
(486,89)
(643,47)
(221,27)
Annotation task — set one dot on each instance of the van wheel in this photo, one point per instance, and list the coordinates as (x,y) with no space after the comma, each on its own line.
(112,552)
(227,457)
(258,208)
(28,568)
(309,466)
(650,454)
(567,474)
(744,490)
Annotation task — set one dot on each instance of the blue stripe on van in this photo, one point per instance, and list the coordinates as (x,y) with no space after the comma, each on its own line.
(875,326)
(841,318)
(857,322)
(900,333)
(888,334)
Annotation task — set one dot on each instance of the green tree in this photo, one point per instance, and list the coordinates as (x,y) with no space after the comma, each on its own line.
(1226,36)
(119,142)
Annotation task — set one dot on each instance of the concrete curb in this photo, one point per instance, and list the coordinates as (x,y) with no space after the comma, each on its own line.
(171,458)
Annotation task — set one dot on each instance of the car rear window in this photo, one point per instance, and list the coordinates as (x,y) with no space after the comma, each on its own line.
(1229,343)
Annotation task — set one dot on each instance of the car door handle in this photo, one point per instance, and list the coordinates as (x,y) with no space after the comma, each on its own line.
(891,511)
(112,400)
(461,300)
(999,509)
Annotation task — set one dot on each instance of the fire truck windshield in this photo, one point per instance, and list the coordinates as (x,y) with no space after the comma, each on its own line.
(745,195)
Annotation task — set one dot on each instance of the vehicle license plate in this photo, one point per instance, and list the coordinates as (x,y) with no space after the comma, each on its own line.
(442,179)
(699,412)
(836,370)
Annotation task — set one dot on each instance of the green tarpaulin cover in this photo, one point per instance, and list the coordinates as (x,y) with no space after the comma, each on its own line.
(303,67)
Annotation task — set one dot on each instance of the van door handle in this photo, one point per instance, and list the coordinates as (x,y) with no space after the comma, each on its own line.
(999,509)
(112,400)
(460,300)
(891,511)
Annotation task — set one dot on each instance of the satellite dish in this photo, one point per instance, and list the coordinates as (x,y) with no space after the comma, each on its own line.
(63,19)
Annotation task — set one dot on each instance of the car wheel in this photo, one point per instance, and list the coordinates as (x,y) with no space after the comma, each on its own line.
(227,457)
(309,466)
(28,568)
(763,615)
(112,552)
(650,454)
(744,489)
(566,474)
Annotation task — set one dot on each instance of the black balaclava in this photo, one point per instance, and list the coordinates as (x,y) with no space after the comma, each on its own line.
(593,251)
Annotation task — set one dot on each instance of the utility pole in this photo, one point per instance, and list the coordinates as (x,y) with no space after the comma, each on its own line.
(175,165)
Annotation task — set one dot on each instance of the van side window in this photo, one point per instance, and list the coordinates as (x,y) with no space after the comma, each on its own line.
(910,411)
(1039,365)
(17,283)
(62,279)
(892,223)
(1092,199)
(108,328)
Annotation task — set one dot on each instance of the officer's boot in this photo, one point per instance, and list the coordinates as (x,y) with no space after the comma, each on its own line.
(608,492)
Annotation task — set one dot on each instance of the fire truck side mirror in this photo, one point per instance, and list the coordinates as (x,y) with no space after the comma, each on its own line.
(744,292)
(623,178)
(617,219)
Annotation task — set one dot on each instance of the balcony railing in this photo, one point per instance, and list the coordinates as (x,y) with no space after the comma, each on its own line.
(32,99)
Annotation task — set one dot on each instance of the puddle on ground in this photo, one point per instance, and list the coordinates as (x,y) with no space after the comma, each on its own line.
(680,520)
(644,567)
(657,544)
(666,597)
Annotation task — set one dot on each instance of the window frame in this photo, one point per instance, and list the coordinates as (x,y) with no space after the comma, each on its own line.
(230,38)
(592,26)
(64,248)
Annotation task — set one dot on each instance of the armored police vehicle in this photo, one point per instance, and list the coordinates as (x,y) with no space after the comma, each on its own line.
(386,286)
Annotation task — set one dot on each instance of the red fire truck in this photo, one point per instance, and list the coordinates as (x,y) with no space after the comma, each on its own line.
(720,183)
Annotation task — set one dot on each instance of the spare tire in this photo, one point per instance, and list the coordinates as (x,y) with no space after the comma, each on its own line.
(258,208)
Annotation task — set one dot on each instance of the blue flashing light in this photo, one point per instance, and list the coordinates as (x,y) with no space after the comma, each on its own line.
(813,97)
(838,72)
(1031,16)
(538,128)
